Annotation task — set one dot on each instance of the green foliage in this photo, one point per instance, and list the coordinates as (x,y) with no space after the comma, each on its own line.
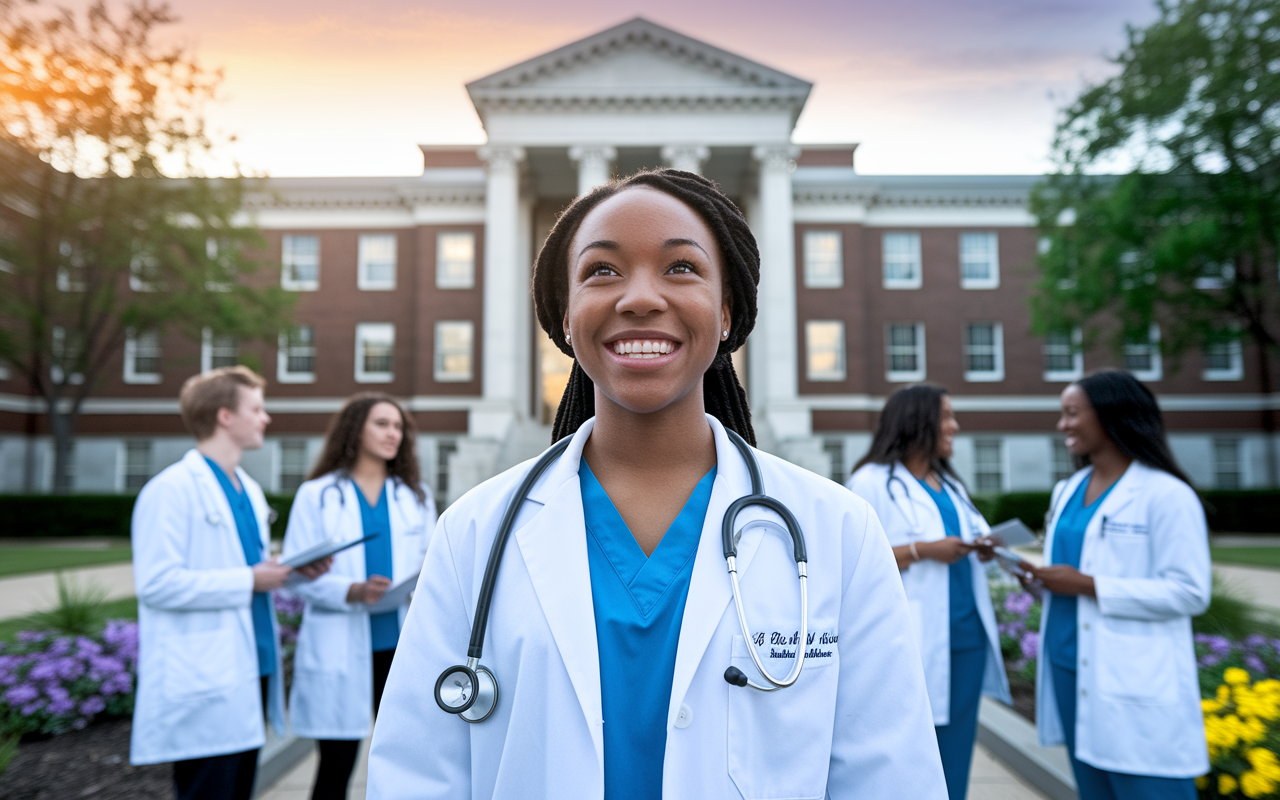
(81,609)
(107,515)
(1248,556)
(1233,615)
(8,749)
(1226,511)
(1187,235)
(125,608)
(19,560)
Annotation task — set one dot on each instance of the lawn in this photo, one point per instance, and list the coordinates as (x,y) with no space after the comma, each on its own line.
(19,560)
(124,608)
(1251,556)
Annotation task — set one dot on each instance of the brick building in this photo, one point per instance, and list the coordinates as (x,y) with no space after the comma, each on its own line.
(418,287)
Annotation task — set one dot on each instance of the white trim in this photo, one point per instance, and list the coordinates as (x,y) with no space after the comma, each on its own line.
(1233,373)
(288,283)
(1077,361)
(367,330)
(438,372)
(839,371)
(364,281)
(124,406)
(993,280)
(445,281)
(1156,372)
(816,280)
(905,376)
(916,280)
(997,342)
(131,375)
(323,219)
(283,375)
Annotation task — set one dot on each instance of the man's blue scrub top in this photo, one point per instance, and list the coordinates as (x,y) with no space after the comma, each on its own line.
(1068,543)
(967,632)
(639,604)
(247,528)
(376,520)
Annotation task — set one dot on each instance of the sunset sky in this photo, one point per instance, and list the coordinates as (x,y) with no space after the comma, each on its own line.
(321,87)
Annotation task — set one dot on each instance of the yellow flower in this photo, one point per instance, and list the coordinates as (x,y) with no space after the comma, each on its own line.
(1253,730)
(1226,784)
(1235,676)
(1256,785)
(1210,706)
(1265,763)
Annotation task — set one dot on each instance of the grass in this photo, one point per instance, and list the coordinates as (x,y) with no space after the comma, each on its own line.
(1252,556)
(1233,614)
(19,560)
(124,608)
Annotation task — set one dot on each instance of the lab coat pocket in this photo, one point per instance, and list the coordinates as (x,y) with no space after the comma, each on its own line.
(1135,668)
(779,743)
(323,641)
(1130,554)
(204,663)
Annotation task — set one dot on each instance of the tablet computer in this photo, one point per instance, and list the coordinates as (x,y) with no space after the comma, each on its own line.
(323,550)
(1014,533)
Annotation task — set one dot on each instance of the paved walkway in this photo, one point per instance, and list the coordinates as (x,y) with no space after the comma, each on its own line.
(1259,584)
(27,594)
(989,780)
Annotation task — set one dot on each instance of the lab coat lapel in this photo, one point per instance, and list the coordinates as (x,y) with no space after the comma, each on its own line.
(553,545)
(216,504)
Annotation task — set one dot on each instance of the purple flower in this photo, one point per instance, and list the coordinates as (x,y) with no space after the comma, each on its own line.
(31,708)
(288,603)
(87,647)
(93,705)
(1019,603)
(1254,663)
(27,637)
(55,692)
(60,707)
(22,693)
(1030,644)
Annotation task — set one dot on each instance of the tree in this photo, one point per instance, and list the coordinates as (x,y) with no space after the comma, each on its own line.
(107,226)
(1187,236)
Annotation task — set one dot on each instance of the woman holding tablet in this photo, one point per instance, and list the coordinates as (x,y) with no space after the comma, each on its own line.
(1127,567)
(938,538)
(365,484)
(607,657)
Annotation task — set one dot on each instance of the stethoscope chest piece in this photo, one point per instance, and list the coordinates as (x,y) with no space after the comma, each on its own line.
(469,691)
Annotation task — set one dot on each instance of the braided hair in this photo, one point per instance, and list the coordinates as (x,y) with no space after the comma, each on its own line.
(722,393)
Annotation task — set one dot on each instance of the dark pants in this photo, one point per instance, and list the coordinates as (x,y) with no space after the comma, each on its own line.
(955,740)
(338,756)
(226,777)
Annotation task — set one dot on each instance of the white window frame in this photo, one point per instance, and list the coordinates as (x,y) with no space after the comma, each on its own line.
(122,481)
(206,349)
(138,266)
(814,275)
(56,375)
(70,277)
(1001,462)
(1077,361)
(997,343)
(287,262)
(914,281)
(283,374)
(290,444)
(131,373)
(369,331)
(1235,444)
(440,354)
(992,281)
(447,280)
(812,329)
(1235,372)
(904,376)
(1151,348)
(365,281)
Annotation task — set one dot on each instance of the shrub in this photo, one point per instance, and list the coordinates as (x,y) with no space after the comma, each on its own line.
(94,514)
(1018,620)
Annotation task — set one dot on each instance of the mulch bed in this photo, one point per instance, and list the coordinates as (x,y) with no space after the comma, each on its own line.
(92,763)
(1024,699)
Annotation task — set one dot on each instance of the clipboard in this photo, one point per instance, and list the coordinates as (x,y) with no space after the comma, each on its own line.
(323,550)
(396,596)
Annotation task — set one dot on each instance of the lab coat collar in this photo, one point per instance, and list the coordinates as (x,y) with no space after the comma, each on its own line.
(916,505)
(217,509)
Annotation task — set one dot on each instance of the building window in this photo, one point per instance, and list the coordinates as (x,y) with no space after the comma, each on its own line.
(375,350)
(71,273)
(217,351)
(1063,358)
(455,260)
(902,261)
(300,263)
(293,464)
(137,465)
(1227,472)
(988,466)
(1223,361)
(221,275)
(453,351)
(823,260)
(904,352)
(824,345)
(142,357)
(444,449)
(979,261)
(1216,275)
(144,273)
(67,352)
(1142,356)
(377,267)
(984,352)
(834,448)
(1064,466)
(296,355)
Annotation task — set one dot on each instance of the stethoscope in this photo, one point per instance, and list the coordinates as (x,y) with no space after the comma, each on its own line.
(914,519)
(336,485)
(471,691)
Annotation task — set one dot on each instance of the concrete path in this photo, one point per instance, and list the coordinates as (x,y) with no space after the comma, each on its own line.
(1259,584)
(27,594)
(988,780)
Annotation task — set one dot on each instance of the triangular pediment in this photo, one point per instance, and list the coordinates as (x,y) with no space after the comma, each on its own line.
(637,63)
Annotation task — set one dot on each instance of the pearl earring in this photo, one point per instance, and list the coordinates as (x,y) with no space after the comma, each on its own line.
(568,339)
(724,334)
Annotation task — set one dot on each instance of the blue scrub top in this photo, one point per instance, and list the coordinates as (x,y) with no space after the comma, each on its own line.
(247,528)
(639,604)
(384,628)
(967,632)
(1068,543)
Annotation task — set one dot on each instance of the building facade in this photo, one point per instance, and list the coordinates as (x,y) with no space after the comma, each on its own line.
(419,287)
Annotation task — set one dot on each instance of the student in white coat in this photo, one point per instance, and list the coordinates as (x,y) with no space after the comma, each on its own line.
(208,650)
(1128,566)
(365,483)
(940,541)
(613,617)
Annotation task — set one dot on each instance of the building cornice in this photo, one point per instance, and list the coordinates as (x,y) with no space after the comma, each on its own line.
(462,189)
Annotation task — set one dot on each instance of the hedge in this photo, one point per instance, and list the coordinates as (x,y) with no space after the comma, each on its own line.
(1253,511)
(92,514)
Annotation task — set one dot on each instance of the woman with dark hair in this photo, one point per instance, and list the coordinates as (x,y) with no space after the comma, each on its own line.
(938,539)
(597,665)
(364,484)
(1127,567)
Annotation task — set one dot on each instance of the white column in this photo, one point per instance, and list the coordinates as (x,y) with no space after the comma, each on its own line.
(506,346)
(687,157)
(595,164)
(776,326)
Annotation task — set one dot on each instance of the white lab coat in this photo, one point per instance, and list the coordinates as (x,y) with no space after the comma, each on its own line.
(910,515)
(1137,686)
(198,688)
(856,724)
(332,693)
